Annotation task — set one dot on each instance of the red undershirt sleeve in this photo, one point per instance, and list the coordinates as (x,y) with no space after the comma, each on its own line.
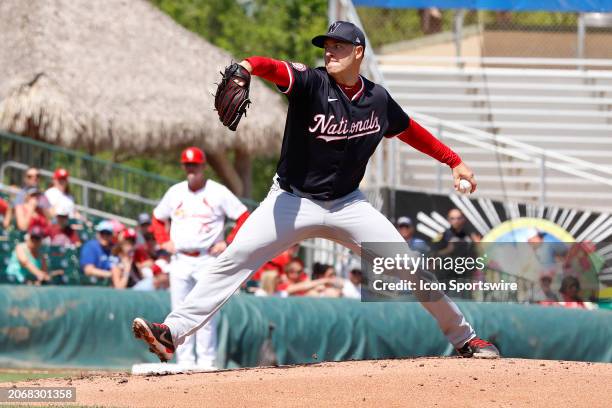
(160,233)
(420,138)
(270,69)
(239,222)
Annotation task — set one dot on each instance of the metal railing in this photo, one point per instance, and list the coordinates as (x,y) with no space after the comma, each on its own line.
(104,186)
(86,186)
(85,167)
(576,63)
(330,253)
(25,146)
(82,209)
(519,150)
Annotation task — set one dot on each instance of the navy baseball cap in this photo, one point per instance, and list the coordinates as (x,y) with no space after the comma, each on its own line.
(341,31)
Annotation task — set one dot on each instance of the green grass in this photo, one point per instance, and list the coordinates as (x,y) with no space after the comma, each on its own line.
(18,376)
(12,376)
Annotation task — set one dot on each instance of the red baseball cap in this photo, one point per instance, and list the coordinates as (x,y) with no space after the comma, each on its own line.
(60,173)
(193,155)
(129,233)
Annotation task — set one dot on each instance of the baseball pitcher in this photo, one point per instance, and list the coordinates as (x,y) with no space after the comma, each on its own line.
(335,120)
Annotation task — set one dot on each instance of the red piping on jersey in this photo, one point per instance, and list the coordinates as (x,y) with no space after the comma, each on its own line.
(159,230)
(243,217)
(419,138)
(272,70)
(291,80)
(358,94)
(353,92)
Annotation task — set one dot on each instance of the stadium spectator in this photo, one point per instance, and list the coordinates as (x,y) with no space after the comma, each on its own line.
(118,228)
(352,286)
(150,274)
(545,292)
(406,229)
(278,263)
(297,282)
(59,195)
(31,212)
(31,178)
(27,264)
(455,242)
(321,270)
(61,231)
(146,254)
(144,227)
(326,284)
(96,253)
(161,269)
(269,285)
(124,272)
(6,214)
(570,293)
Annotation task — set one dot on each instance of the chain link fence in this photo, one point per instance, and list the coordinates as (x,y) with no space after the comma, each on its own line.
(471,33)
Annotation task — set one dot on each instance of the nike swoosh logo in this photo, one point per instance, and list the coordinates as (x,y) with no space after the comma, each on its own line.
(166,340)
(331,99)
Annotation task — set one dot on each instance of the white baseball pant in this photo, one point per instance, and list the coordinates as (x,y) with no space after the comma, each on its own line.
(280,221)
(185,271)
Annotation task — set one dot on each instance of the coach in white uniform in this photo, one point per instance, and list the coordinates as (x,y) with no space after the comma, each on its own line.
(197,209)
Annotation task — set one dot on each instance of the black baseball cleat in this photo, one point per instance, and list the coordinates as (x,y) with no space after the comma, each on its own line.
(478,348)
(157,336)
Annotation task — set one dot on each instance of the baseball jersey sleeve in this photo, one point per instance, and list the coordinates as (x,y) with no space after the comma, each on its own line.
(232,206)
(163,211)
(396,117)
(303,80)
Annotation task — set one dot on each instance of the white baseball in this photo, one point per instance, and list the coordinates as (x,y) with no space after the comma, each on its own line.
(465,186)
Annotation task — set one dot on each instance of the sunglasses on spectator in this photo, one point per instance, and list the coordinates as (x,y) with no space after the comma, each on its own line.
(32,175)
(455,218)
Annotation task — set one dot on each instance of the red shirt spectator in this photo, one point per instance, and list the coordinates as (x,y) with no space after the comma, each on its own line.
(295,276)
(146,251)
(4,206)
(62,233)
(31,213)
(279,263)
(5,214)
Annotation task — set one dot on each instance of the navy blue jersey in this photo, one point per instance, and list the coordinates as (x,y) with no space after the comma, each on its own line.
(328,138)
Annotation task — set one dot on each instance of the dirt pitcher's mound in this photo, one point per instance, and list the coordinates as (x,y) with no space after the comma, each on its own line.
(427,382)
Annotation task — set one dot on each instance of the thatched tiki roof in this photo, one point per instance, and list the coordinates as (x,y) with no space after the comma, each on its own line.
(119,75)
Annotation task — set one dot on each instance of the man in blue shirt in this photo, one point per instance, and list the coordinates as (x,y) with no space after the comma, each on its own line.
(96,253)
(406,230)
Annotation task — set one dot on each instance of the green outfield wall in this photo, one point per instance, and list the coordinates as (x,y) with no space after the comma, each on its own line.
(91,327)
